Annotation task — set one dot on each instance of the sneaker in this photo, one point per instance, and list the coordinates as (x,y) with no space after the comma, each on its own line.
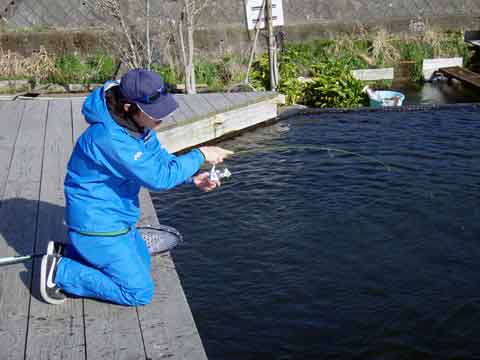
(50,292)
(55,248)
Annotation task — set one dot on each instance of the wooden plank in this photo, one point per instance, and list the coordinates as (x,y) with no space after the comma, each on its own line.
(10,121)
(373,74)
(180,114)
(264,96)
(228,99)
(464,75)
(79,124)
(209,128)
(432,65)
(185,108)
(9,127)
(218,101)
(199,105)
(254,95)
(238,98)
(167,323)
(169,121)
(18,223)
(112,331)
(55,332)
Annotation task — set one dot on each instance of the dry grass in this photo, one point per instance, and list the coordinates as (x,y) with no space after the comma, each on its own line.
(382,49)
(14,66)
(434,39)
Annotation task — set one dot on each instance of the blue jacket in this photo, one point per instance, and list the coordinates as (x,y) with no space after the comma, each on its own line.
(108,166)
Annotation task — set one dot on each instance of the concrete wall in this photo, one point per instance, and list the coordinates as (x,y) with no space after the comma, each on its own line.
(222,26)
(75,13)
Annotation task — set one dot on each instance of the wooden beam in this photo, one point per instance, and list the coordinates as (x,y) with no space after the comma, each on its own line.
(18,224)
(373,74)
(206,129)
(54,331)
(432,65)
(465,76)
(168,328)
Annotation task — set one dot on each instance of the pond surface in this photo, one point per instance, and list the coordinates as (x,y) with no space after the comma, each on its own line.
(440,92)
(339,236)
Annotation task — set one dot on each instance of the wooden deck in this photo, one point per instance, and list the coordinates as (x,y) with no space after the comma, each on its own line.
(36,139)
(465,76)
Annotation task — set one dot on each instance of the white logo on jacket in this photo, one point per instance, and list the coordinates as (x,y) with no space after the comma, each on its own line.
(138,155)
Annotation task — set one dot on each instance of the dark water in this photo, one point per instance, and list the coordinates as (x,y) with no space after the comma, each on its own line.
(313,254)
(440,92)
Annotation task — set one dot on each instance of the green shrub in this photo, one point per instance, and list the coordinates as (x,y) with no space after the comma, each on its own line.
(415,50)
(289,71)
(229,70)
(101,67)
(206,73)
(453,44)
(333,85)
(260,73)
(168,74)
(69,69)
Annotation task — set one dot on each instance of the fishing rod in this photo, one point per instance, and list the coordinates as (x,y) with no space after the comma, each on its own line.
(17,259)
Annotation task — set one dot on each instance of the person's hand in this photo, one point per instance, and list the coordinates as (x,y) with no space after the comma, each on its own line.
(214,154)
(203,182)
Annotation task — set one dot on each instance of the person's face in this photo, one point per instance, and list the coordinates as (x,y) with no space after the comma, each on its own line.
(144,120)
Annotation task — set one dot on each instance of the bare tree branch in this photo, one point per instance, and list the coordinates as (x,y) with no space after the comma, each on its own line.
(137,48)
(191,9)
(137,53)
(200,8)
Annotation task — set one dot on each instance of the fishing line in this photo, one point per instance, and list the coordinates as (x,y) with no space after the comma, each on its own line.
(329,150)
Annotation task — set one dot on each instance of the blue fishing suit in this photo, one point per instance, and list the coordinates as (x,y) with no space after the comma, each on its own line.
(107,258)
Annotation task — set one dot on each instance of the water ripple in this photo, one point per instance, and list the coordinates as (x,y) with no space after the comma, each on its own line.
(311,254)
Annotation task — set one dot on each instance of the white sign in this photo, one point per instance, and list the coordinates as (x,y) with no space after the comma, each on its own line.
(253,11)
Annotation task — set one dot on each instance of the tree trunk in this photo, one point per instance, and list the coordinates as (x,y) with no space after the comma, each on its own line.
(147,35)
(186,69)
(188,53)
(134,57)
(191,65)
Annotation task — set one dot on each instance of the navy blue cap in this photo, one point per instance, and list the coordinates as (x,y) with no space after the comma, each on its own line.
(148,90)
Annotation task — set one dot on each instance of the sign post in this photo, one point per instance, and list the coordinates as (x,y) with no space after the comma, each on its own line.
(273,11)
(272,48)
(253,11)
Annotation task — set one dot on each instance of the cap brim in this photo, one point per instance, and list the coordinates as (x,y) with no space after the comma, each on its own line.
(161,108)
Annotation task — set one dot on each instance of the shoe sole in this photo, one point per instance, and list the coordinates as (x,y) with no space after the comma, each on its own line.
(43,285)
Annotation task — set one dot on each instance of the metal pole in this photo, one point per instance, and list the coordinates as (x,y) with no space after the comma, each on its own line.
(271,47)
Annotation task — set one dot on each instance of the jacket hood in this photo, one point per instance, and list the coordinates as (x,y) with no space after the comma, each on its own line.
(95,108)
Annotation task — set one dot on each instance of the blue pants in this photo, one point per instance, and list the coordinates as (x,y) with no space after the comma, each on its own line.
(111,268)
